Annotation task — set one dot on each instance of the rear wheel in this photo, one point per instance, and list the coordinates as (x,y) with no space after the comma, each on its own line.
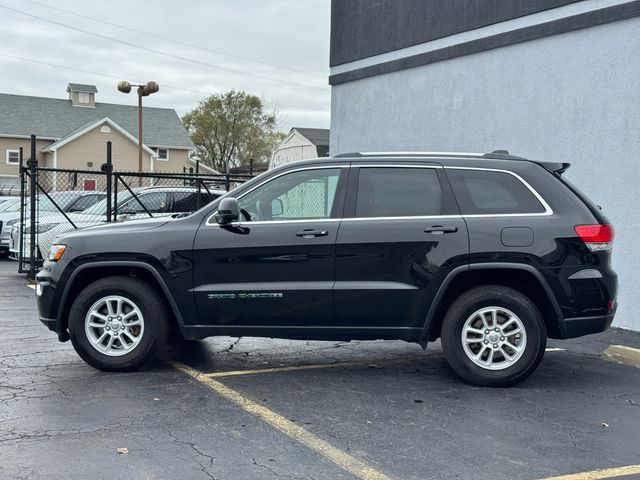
(118,323)
(493,336)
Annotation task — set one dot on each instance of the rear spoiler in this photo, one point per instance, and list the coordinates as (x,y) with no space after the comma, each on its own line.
(555,167)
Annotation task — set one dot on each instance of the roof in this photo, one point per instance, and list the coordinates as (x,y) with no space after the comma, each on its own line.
(90,126)
(317,136)
(54,118)
(82,88)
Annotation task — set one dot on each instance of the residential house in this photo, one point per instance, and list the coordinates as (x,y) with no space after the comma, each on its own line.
(300,144)
(73,133)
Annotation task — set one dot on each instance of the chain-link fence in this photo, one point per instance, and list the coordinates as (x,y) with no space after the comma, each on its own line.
(54,201)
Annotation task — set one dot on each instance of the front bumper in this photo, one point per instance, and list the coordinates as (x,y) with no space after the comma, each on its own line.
(50,323)
(47,302)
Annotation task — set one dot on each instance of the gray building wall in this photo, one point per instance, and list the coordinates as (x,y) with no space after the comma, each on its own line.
(570,97)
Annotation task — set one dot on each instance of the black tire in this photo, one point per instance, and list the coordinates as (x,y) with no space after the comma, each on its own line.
(154,311)
(493,296)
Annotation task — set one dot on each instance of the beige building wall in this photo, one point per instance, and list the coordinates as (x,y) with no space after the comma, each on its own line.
(15,144)
(89,152)
(178,159)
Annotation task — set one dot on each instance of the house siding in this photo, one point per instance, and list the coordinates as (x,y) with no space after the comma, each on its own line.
(15,144)
(292,149)
(92,148)
(178,159)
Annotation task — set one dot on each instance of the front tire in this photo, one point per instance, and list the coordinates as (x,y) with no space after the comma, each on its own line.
(493,336)
(118,324)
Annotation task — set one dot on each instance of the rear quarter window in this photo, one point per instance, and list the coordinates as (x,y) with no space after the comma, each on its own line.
(483,192)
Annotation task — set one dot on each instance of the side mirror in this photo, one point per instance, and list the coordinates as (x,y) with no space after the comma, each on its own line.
(277,209)
(228,211)
(127,211)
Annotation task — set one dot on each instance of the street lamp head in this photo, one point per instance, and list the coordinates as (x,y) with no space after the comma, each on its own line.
(124,86)
(149,88)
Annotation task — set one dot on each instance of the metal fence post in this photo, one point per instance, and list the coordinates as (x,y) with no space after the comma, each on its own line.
(22,205)
(33,187)
(108,169)
(199,183)
(227,181)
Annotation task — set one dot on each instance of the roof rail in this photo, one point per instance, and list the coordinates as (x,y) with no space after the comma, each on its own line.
(554,167)
(408,154)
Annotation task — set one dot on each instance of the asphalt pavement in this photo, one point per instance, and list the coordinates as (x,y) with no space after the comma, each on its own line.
(229,408)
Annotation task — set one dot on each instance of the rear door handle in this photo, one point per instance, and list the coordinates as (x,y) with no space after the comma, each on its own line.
(312,233)
(440,229)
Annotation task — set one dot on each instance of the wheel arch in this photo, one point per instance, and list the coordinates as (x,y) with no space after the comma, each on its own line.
(521,277)
(88,272)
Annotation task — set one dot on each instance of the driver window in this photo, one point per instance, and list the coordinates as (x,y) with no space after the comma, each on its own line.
(298,195)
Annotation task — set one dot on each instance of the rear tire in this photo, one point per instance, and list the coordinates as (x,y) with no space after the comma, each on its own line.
(493,336)
(118,324)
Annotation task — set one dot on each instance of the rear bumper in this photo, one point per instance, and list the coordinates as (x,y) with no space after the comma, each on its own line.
(579,326)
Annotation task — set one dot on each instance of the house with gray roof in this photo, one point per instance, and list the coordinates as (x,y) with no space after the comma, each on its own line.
(73,133)
(300,144)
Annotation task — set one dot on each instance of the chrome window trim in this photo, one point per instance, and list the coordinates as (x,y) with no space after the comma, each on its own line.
(209,221)
(547,209)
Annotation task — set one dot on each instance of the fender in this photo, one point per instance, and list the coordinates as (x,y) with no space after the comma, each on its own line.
(442,290)
(119,263)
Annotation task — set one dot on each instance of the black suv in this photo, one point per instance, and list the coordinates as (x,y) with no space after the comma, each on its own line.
(491,253)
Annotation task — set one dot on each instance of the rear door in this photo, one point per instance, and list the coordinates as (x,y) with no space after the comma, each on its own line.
(400,235)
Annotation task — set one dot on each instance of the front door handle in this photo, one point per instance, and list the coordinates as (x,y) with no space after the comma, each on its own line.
(440,229)
(312,233)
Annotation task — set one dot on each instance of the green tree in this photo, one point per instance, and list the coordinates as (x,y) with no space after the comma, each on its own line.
(231,128)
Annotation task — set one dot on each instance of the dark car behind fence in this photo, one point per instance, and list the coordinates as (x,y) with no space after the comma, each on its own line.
(58,199)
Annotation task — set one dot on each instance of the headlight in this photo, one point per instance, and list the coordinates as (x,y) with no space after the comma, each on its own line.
(12,222)
(42,227)
(55,252)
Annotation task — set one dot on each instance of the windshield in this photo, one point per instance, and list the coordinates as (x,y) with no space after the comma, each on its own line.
(8,204)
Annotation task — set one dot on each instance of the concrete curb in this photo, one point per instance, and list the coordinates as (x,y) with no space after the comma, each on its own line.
(622,354)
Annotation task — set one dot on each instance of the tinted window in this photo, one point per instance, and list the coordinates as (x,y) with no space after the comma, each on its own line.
(156,202)
(484,192)
(398,192)
(84,202)
(296,195)
(188,201)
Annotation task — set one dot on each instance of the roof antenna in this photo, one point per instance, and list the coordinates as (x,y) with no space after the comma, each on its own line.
(501,152)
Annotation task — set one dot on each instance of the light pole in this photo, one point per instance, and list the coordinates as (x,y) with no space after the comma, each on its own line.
(143,91)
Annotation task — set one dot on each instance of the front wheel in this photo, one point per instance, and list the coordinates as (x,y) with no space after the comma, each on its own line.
(118,323)
(493,336)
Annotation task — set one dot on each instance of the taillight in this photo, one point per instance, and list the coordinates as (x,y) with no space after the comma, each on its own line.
(596,237)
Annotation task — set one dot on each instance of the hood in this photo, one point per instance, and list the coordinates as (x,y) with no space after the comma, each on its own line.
(119,227)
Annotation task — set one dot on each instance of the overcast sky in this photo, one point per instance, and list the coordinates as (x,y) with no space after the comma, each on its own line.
(293,34)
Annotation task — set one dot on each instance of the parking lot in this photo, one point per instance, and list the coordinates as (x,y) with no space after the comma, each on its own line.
(229,408)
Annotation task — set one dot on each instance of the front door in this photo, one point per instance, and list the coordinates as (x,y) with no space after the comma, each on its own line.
(275,267)
(401,233)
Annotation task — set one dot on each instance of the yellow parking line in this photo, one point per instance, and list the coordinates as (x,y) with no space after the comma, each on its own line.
(599,474)
(258,371)
(351,464)
(622,354)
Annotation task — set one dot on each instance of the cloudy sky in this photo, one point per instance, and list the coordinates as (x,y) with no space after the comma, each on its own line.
(277,49)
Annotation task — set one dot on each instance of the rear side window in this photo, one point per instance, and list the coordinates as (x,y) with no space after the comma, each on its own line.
(488,192)
(398,192)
